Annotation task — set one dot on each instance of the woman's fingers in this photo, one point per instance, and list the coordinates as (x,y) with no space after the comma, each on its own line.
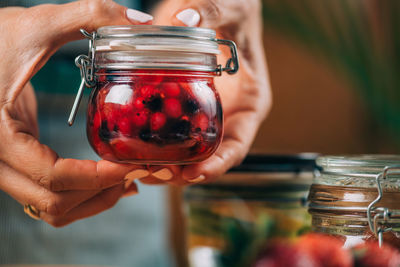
(214,14)
(25,191)
(101,202)
(240,129)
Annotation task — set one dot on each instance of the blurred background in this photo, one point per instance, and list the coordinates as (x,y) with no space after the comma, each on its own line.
(334,69)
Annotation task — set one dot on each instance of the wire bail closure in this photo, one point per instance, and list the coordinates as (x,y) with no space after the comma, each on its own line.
(381,213)
(86,64)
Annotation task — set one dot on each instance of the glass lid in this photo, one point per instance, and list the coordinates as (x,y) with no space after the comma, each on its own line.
(358,165)
(156,38)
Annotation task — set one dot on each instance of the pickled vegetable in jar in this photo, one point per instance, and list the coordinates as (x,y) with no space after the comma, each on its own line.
(224,217)
(153,99)
(357,198)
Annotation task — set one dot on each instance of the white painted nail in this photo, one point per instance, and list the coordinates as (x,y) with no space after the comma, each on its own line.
(163,174)
(197,179)
(189,17)
(137,174)
(136,15)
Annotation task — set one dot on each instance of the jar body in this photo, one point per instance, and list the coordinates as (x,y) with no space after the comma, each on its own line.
(341,194)
(154,116)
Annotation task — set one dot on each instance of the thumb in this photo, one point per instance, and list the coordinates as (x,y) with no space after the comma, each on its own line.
(210,14)
(60,24)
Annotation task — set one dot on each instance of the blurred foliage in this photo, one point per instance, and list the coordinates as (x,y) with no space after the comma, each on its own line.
(359,38)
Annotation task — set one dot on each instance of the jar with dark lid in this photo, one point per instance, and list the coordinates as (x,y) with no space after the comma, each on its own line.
(357,198)
(263,187)
(153,99)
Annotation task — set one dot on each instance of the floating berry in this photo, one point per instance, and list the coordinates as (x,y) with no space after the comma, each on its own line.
(124,126)
(140,118)
(147,91)
(171,89)
(200,122)
(139,103)
(172,108)
(154,103)
(145,134)
(104,132)
(190,106)
(157,121)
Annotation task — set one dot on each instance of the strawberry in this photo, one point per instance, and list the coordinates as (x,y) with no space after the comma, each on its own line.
(370,254)
(200,122)
(157,121)
(171,89)
(283,254)
(172,108)
(326,250)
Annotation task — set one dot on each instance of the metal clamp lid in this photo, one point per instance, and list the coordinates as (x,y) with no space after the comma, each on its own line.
(381,213)
(87,67)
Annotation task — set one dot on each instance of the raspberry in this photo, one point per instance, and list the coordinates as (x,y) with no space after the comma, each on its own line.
(138,103)
(124,126)
(147,91)
(172,108)
(157,121)
(200,122)
(140,118)
(171,89)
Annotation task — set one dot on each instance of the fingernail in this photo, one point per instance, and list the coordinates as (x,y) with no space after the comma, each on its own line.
(189,17)
(136,15)
(131,190)
(197,179)
(163,174)
(137,174)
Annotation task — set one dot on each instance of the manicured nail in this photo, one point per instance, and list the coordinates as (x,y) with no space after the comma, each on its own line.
(137,174)
(197,179)
(135,15)
(189,17)
(163,174)
(131,190)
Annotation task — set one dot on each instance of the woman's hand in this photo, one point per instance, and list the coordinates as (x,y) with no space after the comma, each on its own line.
(62,190)
(246,96)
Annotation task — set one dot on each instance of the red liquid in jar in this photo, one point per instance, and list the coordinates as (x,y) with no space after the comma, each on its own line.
(156,117)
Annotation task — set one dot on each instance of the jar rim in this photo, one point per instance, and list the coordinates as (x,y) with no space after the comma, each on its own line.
(156,38)
(363,165)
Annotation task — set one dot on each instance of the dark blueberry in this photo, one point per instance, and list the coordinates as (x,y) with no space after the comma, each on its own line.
(104,133)
(154,104)
(191,106)
(181,127)
(145,134)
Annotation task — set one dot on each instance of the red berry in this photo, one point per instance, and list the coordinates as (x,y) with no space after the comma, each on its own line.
(326,250)
(147,91)
(200,121)
(172,108)
(284,254)
(157,121)
(138,103)
(370,254)
(96,121)
(124,126)
(140,118)
(171,89)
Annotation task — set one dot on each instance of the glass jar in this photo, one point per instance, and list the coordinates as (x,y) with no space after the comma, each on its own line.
(226,217)
(153,99)
(357,198)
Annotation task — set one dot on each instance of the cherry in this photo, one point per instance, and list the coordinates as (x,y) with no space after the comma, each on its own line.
(124,126)
(140,118)
(171,89)
(139,103)
(157,121)
(172,108)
